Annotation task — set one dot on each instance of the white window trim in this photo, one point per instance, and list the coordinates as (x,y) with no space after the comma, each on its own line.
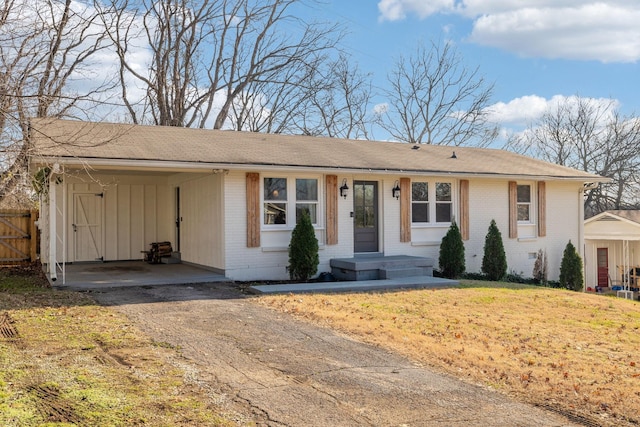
(442,202)
(292,202)
(432,202)
(532,202)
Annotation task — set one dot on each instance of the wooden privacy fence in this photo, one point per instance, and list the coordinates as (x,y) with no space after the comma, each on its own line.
(18,236)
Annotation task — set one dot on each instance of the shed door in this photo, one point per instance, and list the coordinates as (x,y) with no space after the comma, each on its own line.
(603,267)
(365,201)
(87,226)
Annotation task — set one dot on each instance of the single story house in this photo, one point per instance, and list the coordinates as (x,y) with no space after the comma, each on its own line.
(612,250)
(228,200)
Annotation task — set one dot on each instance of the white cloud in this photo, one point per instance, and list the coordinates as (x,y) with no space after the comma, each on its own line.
(381,108)
(526,110)
(570,29)
(394,10)
(519,111)
(591,32)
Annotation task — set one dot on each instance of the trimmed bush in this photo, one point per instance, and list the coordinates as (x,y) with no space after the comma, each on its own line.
(571,269)
(303,250)
(494,261)
(452,253)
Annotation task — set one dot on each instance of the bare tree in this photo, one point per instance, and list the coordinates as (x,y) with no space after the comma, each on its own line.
(205,54)
(593,137)
(46,48)
(435,99)
(322,98)
(275,106)
(339,102)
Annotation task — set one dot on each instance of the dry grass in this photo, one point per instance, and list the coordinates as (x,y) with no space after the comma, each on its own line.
(66,361)
(573,352)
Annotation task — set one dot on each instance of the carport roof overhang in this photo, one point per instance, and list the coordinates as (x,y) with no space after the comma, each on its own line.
(172,166)
(613,237)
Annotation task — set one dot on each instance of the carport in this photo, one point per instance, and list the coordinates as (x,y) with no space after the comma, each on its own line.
(88,276)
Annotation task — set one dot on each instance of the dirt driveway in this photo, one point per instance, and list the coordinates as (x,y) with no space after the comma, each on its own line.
(284,372)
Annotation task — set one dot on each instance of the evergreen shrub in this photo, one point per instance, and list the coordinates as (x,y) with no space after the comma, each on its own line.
(571,269)
(494,261)
(452,263)
(303,250)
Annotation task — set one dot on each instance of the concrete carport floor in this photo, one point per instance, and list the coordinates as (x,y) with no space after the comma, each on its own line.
(100,275)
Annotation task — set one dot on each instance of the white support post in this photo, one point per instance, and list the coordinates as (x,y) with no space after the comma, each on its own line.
(64,232)
(53,232)
(626,272)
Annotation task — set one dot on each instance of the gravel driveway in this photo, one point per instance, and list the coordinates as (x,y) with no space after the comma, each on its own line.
(285,372)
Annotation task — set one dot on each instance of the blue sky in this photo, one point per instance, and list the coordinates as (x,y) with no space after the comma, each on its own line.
(536,52)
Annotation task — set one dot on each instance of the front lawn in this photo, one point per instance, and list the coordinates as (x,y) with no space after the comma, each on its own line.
(575,353)
(66,361)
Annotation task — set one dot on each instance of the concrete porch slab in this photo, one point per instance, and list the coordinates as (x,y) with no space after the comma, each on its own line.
(378,266)
(87,276)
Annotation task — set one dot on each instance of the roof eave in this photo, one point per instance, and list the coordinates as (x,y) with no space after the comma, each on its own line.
(190,166)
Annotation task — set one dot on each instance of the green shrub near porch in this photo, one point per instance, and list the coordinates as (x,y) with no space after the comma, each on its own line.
(303,250)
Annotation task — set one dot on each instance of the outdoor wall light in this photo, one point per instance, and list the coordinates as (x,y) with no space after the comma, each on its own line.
(344,189)
(395,191)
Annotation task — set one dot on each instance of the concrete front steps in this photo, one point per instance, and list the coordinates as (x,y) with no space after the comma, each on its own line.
(380,267)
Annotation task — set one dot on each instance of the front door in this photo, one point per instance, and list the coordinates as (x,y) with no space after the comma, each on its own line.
(87,226)
(365,207)
(603,267)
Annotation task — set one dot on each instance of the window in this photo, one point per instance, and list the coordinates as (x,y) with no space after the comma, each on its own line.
(443,202)
(307,198)
(419,202)
(275,200)
(278,201)
(422,211)
(524,203)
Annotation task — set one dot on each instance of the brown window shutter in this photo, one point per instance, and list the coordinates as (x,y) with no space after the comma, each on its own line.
(513,210)
(332,210)
(542,209)
(253,210)
(405,210)
(464,209)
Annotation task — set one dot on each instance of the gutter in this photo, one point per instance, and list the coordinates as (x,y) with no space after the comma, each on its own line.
(97,164)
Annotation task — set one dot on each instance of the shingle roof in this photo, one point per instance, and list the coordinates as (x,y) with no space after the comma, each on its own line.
(629,214)
(67,139)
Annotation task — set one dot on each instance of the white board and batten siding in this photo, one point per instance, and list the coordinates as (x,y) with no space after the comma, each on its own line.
(202,211)
(135,211)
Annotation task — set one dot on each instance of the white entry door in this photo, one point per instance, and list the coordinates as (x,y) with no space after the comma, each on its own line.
(87,226)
